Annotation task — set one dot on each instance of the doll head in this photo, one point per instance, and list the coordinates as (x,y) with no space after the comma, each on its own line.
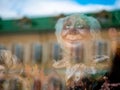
(75,29)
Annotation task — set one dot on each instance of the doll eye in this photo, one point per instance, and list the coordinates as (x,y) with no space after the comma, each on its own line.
(68,26)
(80,26)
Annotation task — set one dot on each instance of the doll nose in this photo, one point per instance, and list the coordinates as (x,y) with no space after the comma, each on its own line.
(73,31)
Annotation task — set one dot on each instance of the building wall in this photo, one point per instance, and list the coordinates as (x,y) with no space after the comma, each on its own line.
(27,41)
(28,46)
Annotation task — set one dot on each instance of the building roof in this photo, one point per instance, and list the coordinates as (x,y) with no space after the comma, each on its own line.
(46,24)
(27,25)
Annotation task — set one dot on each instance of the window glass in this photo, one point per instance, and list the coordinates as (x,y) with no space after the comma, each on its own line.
(37,52)
(57,52)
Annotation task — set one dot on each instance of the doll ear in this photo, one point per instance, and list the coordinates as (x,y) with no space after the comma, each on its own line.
(114,37)
(113,33)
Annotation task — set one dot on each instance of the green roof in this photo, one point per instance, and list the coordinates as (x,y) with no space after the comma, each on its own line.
(46,24)
(29,25)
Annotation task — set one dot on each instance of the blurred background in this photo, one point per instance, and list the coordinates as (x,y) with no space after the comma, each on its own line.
(27,26)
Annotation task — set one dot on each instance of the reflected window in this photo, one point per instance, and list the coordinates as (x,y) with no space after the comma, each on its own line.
(37,52)
(57,52)
(55,84)
(78,54)
(2,47)
(18,50)
(101,48)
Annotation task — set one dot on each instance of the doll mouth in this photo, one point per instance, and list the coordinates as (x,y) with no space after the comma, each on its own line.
(72,40)
(72,43)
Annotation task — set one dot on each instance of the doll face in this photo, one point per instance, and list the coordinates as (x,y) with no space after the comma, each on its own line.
(75,30)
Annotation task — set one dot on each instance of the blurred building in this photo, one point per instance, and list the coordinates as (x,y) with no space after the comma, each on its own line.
(33,39)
